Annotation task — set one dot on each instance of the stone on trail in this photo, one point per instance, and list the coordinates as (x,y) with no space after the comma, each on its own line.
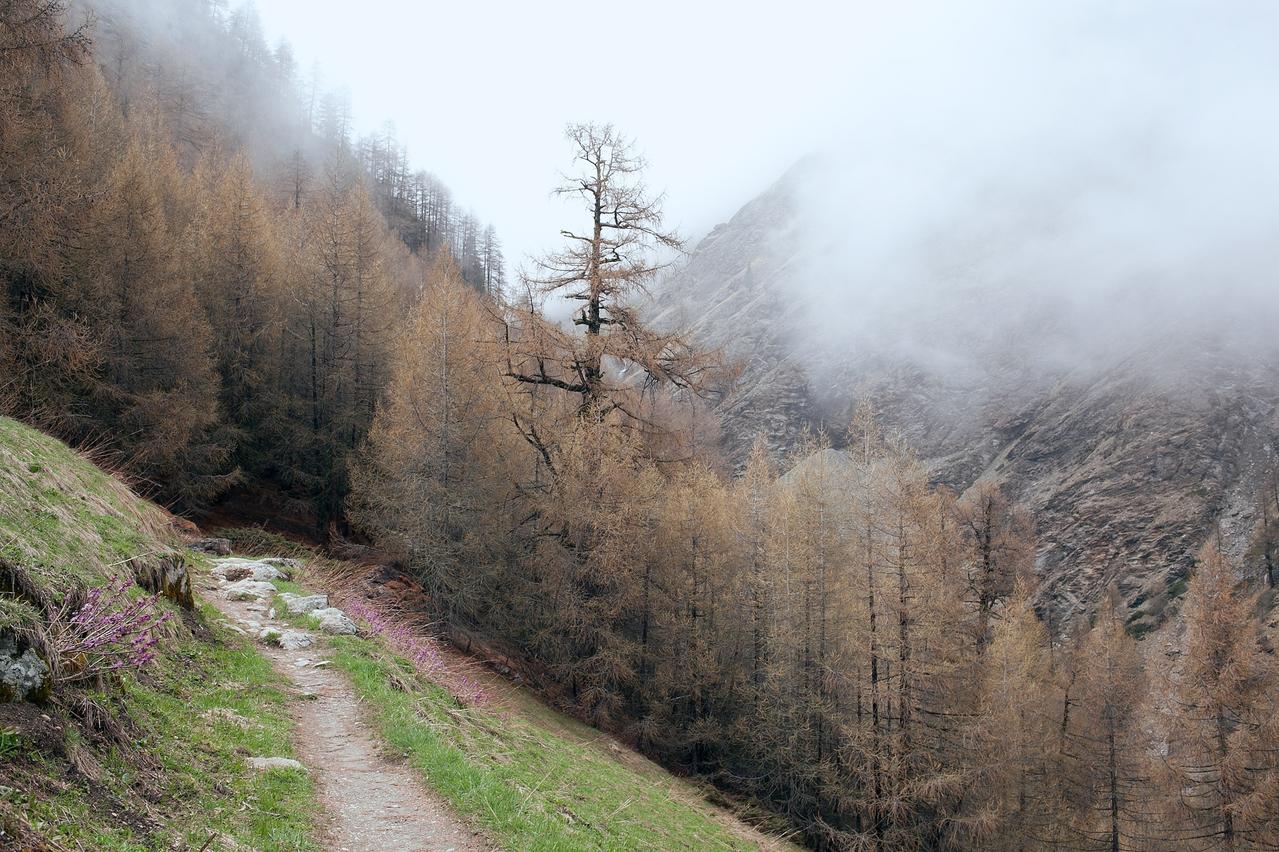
(289,640)
(298,604)
(288,566)
(335,622)
(265,764)
(246,569)
(248,590)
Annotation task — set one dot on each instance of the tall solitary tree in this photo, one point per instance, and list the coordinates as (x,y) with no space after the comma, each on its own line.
(604,267)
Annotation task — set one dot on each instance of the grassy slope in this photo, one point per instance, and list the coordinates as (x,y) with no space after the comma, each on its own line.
(160,762)
(63,520)
(530,787)
(155,761)
(531,777)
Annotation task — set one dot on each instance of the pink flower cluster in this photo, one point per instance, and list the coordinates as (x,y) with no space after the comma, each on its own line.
(108,632)
(422,651)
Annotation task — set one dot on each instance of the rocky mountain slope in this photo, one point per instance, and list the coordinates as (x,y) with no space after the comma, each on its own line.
(1129,450)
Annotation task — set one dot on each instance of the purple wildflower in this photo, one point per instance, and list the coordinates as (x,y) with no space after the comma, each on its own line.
(421,650)
(109,632)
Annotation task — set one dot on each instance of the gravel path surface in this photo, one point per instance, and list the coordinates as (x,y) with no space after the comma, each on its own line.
(371,803)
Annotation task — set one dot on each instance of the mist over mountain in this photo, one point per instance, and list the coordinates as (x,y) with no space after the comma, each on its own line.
(1066,185)
(1134,424)
(1040,245)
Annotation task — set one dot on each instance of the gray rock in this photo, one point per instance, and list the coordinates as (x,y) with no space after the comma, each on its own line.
(335,622)
(215,546)
(289,640)
(298,604)
(248,590)
(288,566)
(265,764)
(23,675)
(234,569)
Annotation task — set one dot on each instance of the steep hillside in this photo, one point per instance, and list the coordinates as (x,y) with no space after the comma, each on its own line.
(195,747)
(103,749)
(1127,456)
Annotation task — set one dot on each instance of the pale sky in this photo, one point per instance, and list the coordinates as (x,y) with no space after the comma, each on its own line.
(721,97)
(1063,148)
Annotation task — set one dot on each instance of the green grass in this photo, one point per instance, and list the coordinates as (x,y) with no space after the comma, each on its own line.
(153,762)
(65,521)
(529,787)
(206,709)
(10,741)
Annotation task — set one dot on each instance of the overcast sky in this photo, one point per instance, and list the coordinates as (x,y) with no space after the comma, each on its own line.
(1064,150)
(720,96)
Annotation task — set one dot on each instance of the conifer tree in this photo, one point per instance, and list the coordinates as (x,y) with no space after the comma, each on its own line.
(1108,774)
(1223,749)
(430,469)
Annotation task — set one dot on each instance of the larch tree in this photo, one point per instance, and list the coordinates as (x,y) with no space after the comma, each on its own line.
(48,145)
(1011,802)
(158,388)
(1001,536)
(429,470)
(1224,751)
(755,500)
(238,277)
(602,270)
(1108,775)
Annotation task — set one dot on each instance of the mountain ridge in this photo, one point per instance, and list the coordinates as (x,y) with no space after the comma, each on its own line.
(1129,458)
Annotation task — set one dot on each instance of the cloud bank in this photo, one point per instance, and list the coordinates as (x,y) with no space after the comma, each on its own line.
(1068,179)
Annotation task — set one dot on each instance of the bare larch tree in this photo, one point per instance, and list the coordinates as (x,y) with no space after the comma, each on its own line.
(606,267)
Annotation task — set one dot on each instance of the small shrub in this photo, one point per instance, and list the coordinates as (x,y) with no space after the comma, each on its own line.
(111,631)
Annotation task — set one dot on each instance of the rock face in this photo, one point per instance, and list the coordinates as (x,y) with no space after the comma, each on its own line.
(731,296)
(1129,458)
(23,676)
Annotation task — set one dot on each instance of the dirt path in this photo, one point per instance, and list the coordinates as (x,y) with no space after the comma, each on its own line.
(370,803)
